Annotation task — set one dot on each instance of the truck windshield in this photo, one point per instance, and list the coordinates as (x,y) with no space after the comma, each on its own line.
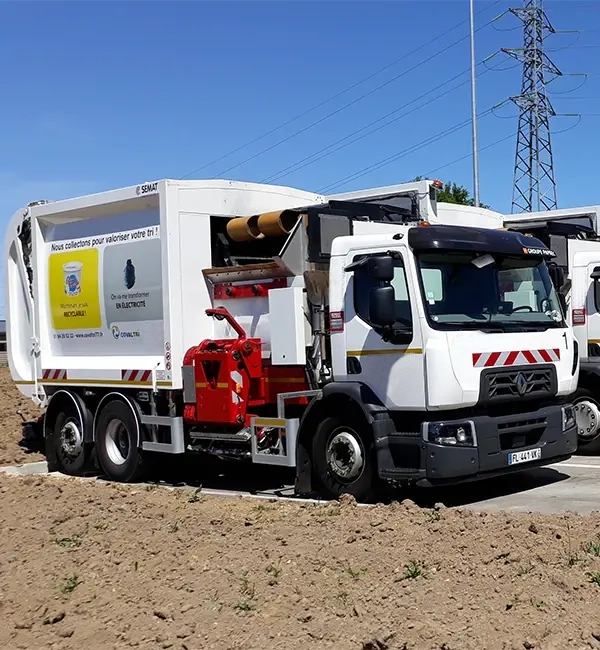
(504,292)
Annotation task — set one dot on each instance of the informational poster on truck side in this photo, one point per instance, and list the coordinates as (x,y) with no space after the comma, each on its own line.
(105,294)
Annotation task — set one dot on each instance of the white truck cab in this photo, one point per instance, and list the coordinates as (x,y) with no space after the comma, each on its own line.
(574,234)
(436,329)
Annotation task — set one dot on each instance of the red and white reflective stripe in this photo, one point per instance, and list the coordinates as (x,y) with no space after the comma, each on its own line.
(136,375)
(514,358)
(54,375)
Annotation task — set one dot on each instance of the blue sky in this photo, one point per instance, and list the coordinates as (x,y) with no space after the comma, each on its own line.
(98,95)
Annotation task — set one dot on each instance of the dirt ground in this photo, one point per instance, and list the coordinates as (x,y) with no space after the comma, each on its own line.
(95,566)
(11,400)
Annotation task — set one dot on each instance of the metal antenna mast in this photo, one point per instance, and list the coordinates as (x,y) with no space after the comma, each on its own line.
(534,187)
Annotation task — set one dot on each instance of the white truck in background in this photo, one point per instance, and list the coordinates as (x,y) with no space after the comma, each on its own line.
(574,234)
(352,337)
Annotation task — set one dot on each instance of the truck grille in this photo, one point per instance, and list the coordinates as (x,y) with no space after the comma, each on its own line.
(518,384)
(521,433)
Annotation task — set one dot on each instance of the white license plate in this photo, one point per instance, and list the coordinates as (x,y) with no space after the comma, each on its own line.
(524,456)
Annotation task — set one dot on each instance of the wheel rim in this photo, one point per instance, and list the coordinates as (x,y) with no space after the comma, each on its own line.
(71,438)
(117,442)
(587,417)
(344,456)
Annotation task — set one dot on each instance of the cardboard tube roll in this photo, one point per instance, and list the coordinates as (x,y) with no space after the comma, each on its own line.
(244,229)
(277,224)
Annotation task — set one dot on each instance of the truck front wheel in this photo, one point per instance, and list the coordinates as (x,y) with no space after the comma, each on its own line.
(587,417)
(344,460)
(117,449)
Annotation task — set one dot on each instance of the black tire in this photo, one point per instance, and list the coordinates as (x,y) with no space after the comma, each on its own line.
(362,486)
(589,446)
(71,453)
(117,443)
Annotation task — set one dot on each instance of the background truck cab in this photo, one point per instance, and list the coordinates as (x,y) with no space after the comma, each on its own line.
(573,233)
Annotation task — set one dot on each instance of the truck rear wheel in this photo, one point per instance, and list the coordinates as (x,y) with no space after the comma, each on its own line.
(117,434)
(587,417)
(344,460)
(71,452)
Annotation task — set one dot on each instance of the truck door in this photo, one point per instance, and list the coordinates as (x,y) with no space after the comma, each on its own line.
(589,335)
(392,370)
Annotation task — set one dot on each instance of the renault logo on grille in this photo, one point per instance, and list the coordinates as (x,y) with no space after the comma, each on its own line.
(521,383)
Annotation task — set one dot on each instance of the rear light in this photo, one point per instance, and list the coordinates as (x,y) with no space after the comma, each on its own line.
(438,184)
(578,317)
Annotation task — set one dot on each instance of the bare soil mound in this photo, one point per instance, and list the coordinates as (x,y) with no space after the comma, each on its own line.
(11,400)
(86,565)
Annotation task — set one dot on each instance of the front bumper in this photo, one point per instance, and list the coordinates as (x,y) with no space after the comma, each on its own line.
(408,457)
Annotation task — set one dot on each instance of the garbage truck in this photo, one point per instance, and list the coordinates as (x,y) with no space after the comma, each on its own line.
(574,234)
(353,338)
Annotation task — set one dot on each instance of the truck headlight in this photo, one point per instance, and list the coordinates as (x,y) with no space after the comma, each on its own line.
(568,418)
(455,434)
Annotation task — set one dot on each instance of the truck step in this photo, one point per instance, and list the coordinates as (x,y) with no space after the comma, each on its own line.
(240,436)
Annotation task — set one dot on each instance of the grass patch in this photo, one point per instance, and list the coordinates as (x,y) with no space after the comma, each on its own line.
(333,511)
(594,577)
(245,606)
(69,585)
(248,591)
(74,541)
(247,588)
(593,548)
(432,514)
(275,571)
(524,569)
(354,573)
(413,570)
(195,497)
(572,557)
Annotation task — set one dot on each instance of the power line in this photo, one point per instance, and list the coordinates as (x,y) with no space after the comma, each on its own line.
(402,154)
(426,44)
(328,150)
(431,172)
(578,98)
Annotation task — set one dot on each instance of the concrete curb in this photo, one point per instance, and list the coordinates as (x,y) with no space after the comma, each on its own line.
(41,469)
(27,469)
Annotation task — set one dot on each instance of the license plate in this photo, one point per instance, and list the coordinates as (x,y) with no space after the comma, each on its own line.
(524,456)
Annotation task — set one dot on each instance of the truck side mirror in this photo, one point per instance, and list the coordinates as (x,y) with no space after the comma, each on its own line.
(378,267)
(595,275)
(563,302)
(382,306)
(381,268)
(557,275)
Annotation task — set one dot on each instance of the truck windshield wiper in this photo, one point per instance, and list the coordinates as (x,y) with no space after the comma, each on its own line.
(483,325)
(529,326)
